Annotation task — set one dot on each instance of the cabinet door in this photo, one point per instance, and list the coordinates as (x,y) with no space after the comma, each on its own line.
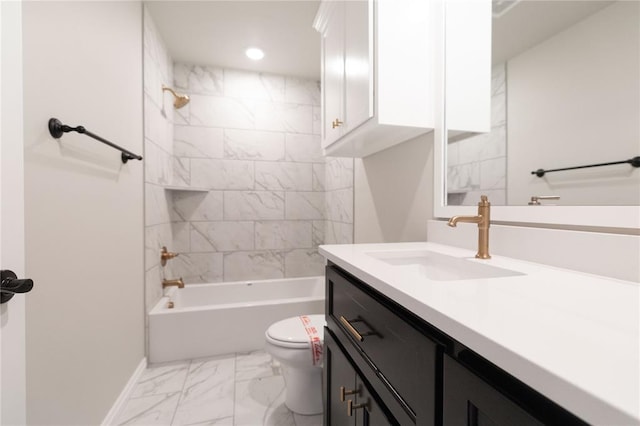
(338,374)
(333,75)
(470,401)
(370,414)
(358,52)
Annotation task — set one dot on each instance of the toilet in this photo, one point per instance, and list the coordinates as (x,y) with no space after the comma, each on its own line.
(297,343)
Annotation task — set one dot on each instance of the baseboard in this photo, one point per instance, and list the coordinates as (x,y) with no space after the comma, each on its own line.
(124,395)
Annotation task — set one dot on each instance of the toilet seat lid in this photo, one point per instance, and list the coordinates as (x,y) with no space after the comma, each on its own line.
(293,333)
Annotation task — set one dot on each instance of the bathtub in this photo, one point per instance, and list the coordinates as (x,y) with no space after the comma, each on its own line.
(221,318)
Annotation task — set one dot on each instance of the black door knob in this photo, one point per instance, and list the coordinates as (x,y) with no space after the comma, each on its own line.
(10,285)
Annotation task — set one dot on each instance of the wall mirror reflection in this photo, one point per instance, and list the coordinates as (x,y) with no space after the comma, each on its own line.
(565,91)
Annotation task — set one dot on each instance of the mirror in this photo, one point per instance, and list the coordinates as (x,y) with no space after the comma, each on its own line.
(564,92)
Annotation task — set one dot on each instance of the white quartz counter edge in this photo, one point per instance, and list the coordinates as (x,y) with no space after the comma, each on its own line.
(573,337)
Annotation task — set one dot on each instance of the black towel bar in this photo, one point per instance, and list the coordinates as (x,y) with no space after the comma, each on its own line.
(635,162)
(56,129)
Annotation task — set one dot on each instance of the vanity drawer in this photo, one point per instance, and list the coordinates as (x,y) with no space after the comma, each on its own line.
(403,356)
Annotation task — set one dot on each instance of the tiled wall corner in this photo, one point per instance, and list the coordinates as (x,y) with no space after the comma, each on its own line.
(338,228)
(158,159)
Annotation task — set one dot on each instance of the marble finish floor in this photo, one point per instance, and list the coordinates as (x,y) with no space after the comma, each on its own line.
(237,389)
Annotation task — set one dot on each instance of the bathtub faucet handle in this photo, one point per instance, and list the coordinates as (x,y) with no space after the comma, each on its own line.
(166,255)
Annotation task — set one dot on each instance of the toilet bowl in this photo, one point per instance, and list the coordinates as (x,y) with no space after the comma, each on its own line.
(297,344)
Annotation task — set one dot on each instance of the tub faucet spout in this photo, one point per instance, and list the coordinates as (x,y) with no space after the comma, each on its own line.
(177,282)
(482,219)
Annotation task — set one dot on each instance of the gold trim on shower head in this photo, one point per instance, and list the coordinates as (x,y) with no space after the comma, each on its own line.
(180,100)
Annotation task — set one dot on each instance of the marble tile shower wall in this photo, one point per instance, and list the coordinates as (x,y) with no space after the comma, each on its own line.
(158,157)
(251,142)
(478,165)
(338,228)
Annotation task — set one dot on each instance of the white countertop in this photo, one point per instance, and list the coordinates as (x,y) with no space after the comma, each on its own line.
(573,337)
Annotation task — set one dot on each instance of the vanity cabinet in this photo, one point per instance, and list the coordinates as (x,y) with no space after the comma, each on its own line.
(350,401)
(470,401)
(399,363)
(377,84)
(406,371)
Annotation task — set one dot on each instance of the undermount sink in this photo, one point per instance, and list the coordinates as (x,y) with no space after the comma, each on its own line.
(441,267)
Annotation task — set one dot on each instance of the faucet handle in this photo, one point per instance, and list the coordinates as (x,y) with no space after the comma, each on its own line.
(166,255)
(535,199)
(484,201)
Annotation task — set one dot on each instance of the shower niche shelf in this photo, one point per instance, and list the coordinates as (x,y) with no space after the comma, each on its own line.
(185,188)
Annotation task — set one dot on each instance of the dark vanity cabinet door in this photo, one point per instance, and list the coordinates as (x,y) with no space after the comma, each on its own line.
(470,401)
(339,383)
(349,401)
(399,361)
(371,413)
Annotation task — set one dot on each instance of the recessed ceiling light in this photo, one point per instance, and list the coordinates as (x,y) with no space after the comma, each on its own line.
(254,53)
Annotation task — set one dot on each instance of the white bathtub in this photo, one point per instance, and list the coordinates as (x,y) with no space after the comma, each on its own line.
(221,318)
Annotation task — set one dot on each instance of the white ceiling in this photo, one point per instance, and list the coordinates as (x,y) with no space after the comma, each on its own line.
(217,33)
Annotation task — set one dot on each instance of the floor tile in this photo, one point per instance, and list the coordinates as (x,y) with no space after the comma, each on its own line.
(208,391)
(245,389)
(261,402)
(149,410)
(279,416)
(254,365)
(307,420)
(225,421)
(162,379)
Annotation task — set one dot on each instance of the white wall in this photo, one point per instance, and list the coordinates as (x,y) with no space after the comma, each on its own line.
(84,210)
(394,193)
(12,314)
(572,100)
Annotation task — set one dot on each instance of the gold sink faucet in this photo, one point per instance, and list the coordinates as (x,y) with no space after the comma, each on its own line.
(482,219)
(177,282)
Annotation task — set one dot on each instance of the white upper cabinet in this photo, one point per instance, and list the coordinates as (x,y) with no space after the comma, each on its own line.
(377,74)
(333,74)
(358,64)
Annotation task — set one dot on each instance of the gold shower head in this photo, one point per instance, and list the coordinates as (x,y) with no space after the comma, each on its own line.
(180,100)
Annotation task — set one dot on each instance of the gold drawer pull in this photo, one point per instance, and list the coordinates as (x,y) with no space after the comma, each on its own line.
(359,336)
(351,329)
(336,123)
(344,391)
(351,407)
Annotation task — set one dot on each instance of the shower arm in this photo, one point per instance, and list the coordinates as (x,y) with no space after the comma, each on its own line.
(56,129)
(170,90)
